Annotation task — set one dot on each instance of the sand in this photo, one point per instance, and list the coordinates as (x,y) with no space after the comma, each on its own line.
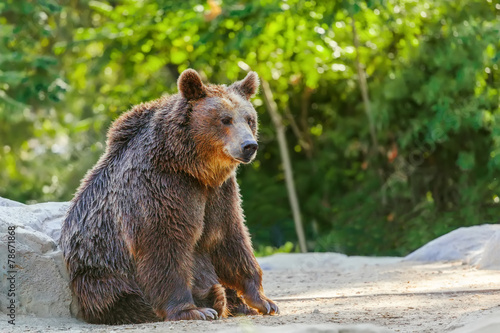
(334,293)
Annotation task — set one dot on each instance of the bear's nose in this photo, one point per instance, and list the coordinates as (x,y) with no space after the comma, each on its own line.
(249,147)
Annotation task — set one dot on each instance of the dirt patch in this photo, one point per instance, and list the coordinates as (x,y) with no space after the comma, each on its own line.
(386,293)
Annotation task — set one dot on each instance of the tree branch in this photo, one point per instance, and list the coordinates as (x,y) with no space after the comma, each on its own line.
(364,87)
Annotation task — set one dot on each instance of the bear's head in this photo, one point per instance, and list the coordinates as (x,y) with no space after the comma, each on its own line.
(223,122)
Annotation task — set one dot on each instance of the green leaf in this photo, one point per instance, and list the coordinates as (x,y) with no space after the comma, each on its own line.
(465,160)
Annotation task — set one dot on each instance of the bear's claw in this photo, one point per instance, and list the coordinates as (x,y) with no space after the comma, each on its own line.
(274,308)
(196,314)
(264,305)
(270,307)
(208,312)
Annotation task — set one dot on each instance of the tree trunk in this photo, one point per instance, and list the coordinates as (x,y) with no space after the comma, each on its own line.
(287,165)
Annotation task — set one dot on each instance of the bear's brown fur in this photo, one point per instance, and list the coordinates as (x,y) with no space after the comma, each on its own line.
(156,230)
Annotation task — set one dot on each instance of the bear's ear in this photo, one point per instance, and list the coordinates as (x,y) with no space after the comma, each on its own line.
(190,85)
(248,86)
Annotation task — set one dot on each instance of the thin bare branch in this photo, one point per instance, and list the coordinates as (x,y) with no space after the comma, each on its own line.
(364,87)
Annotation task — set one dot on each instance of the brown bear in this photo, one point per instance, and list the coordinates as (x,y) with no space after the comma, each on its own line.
(156,230)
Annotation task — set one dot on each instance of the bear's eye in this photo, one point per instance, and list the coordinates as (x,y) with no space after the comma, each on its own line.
(250,121)
(227,120)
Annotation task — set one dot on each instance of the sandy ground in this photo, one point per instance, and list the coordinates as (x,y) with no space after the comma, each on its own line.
(337,291)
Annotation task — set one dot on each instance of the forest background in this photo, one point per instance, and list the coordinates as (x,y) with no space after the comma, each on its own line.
(389,108)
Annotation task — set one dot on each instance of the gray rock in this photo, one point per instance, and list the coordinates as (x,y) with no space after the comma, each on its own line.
(39,276)
(9,203)
(476,245)
(489,258)
(49,217)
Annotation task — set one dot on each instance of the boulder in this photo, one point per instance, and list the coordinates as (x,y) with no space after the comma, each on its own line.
(38,280)
(477,245)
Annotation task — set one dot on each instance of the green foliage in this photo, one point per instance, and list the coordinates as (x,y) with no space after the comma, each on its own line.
(263,251)
(67,69)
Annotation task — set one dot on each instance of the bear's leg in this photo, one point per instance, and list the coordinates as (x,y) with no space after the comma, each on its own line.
(238,269)
(130,309)
(236,304)
(164,263)
(232,255)
(112,301)
(212,297)
(207,291)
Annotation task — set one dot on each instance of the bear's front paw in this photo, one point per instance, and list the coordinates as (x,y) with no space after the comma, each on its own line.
(195,314)
(242,310)
(263,304)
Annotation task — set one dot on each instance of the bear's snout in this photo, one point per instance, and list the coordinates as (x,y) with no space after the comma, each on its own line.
(249,147)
